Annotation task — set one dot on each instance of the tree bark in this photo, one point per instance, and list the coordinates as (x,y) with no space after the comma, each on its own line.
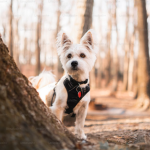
(143,57)
(10,43)
(83,19)
(26,122)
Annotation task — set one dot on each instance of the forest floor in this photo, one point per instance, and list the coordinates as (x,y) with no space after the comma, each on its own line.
(112,123)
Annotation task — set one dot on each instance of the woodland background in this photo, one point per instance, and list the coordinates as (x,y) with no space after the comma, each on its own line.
(30,28)
(118,115)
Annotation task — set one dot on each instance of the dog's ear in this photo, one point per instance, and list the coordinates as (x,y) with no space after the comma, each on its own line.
(63,42)
(89,41)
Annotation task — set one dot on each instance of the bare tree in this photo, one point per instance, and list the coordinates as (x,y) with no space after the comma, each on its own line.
(4,31)
(143,57)
(131,63)
(10,44)
(25,54)
(16,36)
(58,18)
(98,72)
(59,66)
(126,49)
(38,37)
(83,19)
(131,69)
(115,53)
(108,57)
(83,22)
(16,46)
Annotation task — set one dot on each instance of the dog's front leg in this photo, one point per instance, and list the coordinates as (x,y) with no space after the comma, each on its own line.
(80,120)
(59,104)
(57,111)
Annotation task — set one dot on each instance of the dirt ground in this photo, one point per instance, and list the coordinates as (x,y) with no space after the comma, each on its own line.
(112,123)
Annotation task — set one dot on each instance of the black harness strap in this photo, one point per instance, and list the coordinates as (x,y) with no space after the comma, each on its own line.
(54,94)
(75,93)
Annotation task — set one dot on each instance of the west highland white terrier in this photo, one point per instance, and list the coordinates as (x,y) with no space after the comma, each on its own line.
(71,94)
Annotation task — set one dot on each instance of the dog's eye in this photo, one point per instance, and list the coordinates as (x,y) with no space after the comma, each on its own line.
(82,55)
(69,55)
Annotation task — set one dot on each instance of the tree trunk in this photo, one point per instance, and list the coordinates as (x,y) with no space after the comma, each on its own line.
(10,43)
(4,32)
(25,54)
(59,65)
(143,57)
(98,72)
(108,65)
(38,39)
(29,51)
(26,122)
(131,64)
(115,54)
(83,20)
(126,46)
(16,47)
(131,69)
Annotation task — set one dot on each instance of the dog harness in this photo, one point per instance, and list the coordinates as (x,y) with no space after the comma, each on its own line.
(75,93)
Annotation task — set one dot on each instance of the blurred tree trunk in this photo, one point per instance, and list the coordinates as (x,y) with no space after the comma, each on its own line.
(83,23)
(108,57)
(126,49)
(26,122)
(38,38)
(83,19)
(10,43)
(98,67)
(25,54)
(131,64)
(31,43)
(131,70)
(58,18)
(59,65)
(29,51)
(4,32)
(143,57)
(98,64)
(115,53)
(16,52)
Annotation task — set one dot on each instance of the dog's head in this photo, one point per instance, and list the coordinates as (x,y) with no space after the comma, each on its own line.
(77,58)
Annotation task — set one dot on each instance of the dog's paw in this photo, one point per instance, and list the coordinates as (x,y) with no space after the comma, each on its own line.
(84,137)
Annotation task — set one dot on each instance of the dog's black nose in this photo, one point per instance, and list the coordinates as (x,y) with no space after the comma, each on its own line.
(74,63)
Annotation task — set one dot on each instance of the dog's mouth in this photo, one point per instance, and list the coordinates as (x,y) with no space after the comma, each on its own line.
(75,68)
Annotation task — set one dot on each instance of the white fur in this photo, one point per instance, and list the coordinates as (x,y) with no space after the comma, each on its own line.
(43,79)
(65,46)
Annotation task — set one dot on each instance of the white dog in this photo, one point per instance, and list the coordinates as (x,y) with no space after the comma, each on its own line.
(71,94)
